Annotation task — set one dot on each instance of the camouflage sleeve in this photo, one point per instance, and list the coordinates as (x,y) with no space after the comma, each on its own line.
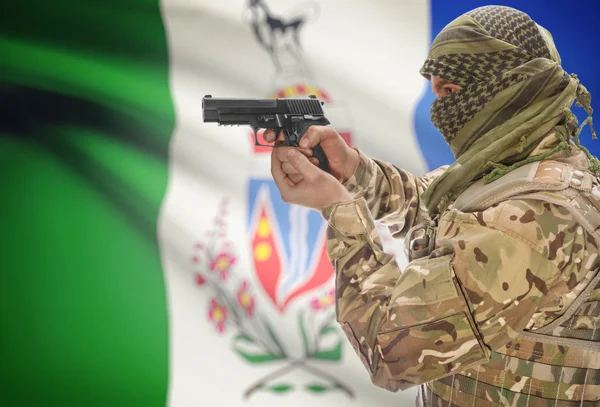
(444,313)
(392,194)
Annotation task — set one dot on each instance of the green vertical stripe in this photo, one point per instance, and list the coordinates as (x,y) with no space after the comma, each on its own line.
(83,161)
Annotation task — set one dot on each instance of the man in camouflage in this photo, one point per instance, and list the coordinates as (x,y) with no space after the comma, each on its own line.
(500,302)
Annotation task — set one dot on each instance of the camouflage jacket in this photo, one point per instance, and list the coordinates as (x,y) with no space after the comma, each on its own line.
(512,267)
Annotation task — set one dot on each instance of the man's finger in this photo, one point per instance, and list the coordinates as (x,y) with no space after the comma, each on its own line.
(302,165)
(282,152)
(289,169)
(295,178)
(278,174)
(269,135)
(312,137)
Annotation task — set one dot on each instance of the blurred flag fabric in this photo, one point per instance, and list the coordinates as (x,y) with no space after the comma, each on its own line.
(148,258)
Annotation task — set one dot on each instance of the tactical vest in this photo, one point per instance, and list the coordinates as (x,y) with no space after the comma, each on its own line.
(557,364)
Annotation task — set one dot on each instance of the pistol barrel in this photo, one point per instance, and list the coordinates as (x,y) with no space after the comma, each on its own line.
(216,109)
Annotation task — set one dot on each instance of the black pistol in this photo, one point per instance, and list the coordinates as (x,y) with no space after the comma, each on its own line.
(292,116)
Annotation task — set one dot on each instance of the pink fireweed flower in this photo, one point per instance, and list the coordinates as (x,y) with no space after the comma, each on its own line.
(320,303)
(246,301)
(200,280)
(218,314)
(222,263)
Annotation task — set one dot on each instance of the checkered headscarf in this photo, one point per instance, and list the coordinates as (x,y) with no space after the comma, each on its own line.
(514,91)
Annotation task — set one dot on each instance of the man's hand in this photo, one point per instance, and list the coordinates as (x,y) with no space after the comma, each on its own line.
(316,189)
(343,160)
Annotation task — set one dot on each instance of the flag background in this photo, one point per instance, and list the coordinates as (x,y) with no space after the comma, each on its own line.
(109,177)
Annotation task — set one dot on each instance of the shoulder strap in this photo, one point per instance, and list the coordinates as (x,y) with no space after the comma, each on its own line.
(537,176)
(551,181)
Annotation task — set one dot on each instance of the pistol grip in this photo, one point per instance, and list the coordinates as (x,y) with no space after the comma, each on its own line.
(319,154)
